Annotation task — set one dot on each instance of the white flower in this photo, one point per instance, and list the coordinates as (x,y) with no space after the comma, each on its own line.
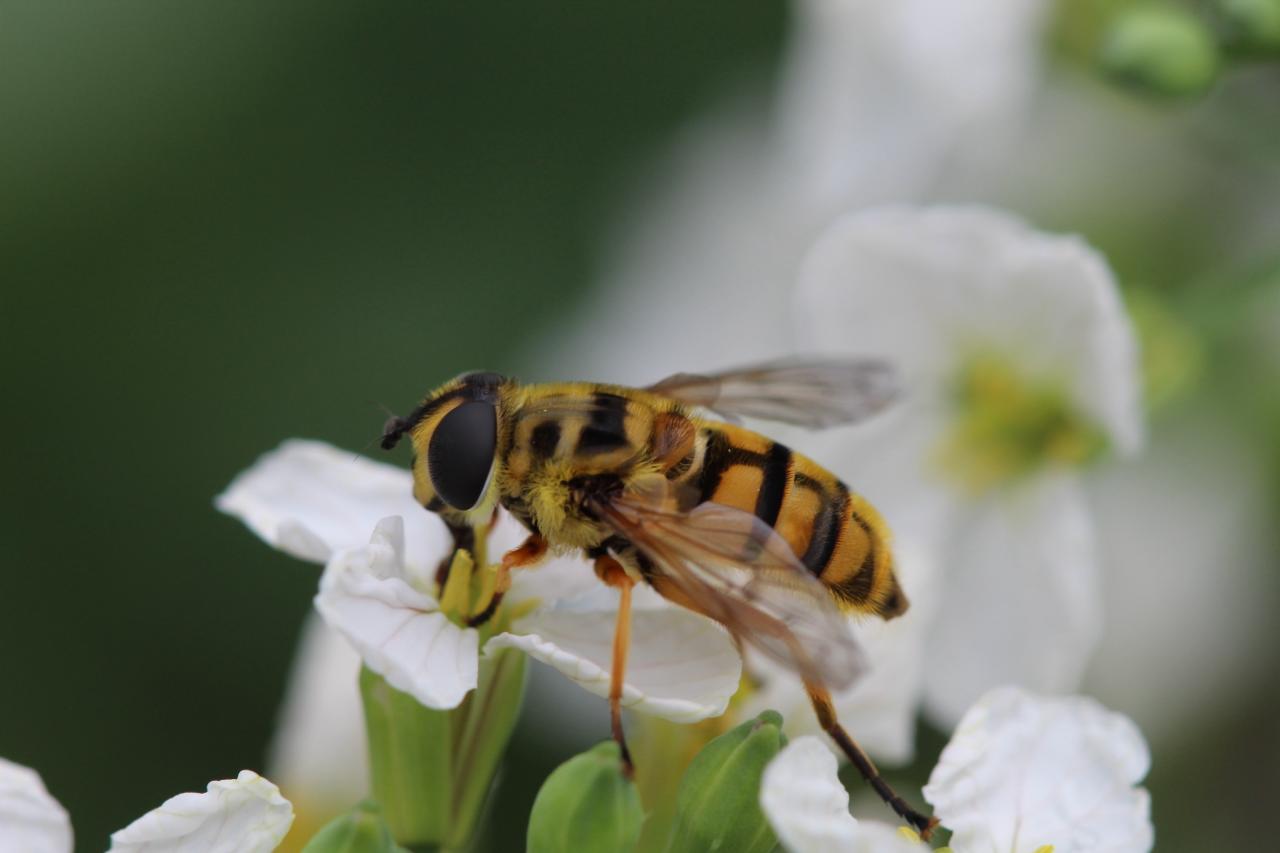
(1023,771)
(963,299)
(241,815)
(30,819)
(379,593)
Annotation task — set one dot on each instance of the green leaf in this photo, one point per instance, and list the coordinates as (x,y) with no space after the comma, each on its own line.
(360,830)
(718,807)
(586,804)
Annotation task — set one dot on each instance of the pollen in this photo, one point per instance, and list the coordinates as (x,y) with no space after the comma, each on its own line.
(1006,426)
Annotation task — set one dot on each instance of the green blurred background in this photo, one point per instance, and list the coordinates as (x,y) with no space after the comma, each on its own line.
(222,225)
(225,224)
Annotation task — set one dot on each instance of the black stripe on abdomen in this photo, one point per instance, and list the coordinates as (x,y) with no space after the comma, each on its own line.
(776,471)
(858,587)
(826,531)
(715,459)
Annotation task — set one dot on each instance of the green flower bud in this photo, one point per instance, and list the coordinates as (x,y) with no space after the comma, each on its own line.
(1255,23)
(586,804)
(1161,49)
(360,830)
(718,807)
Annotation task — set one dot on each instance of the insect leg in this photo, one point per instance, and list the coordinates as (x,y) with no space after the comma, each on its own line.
(822,706)
(611,572)
(531,551)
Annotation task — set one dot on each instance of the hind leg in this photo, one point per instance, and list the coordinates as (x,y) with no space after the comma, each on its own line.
(822,706)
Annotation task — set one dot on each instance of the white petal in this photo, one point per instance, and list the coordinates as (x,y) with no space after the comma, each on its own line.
(1024,771)
(808,808)
(318,754)
(1020,603)
(310,499)
(681,666)
(31,820)
(925,287)
(241,815)
(366,594)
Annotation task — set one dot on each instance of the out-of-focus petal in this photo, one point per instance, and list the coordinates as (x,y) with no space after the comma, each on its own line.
(1024,771)
(31,820)
(882,100)
(681,666)
(241,815)
(310,500)
(923,287)
(399,631)
(1020,604)
(808,808)
(318,755)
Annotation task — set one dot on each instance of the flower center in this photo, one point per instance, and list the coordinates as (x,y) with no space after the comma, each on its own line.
(1006,427)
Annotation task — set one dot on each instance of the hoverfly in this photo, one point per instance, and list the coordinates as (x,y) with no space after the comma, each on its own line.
(715,517)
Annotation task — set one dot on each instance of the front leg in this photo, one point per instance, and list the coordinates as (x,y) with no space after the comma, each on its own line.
(530,552)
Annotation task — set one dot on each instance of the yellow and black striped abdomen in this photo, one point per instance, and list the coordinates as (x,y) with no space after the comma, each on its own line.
(837,535)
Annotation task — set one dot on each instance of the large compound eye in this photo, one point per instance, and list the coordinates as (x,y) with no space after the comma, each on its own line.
(461,453)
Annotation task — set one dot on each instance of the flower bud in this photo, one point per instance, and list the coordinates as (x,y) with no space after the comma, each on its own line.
(718,807)
(360,830)
(586,804)
(1255,23)
(1161,49)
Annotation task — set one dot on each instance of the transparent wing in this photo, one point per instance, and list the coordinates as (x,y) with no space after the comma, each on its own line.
(813,393)
(736,569)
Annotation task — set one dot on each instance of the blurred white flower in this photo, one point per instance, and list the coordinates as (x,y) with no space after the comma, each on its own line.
(241,815)
(883,101)
(1020,366)
(380,594)
(1024,771)
(31,820)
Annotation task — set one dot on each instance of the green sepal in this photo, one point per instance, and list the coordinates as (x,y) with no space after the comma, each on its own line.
(586,804)
(410,761)
(1162,50)
(361,830)
(432,771)
(718,806)
(483,726)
